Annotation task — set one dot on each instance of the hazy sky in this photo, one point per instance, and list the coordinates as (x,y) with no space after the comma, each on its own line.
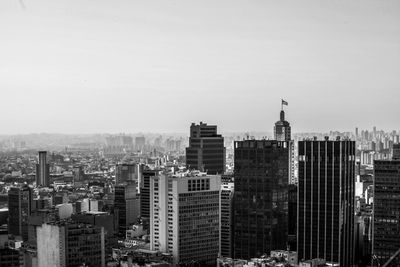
(85,66)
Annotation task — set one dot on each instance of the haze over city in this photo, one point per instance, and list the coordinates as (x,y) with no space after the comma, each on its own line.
(156,66)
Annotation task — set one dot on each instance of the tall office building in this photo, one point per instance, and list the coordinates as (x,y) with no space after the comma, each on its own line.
(261,197)
(325,226)
(396,152)
(128,172)
(282,132)
(184,219)
(386,210)
(126,206)
(19,210)
(70,244)
(42,170)
(226,220)
(145,193)
(206,151)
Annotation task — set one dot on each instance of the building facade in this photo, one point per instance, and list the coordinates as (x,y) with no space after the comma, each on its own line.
(126,206)
(19,210)
(325,223)
(261,197)
(206,151)
(42,170)
(184,218)
(70,244)
(386,210)
(226,220)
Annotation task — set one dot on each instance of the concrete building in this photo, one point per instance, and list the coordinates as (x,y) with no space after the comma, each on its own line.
(126,206)
(226,220)
(184,219)
(261,197)
(325,223)
(206,151)
(42,170)
(19,210)
(70,244)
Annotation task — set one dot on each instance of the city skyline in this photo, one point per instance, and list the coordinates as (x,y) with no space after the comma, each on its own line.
(67,67)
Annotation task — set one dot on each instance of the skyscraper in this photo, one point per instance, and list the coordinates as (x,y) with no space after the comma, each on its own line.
(206,151)
(145,193)
(282,132)
(19,210)
(226,220)
(386,209)
(70,244)
(326,200)
(126,205)
(128,172)
(42,170)
(185,216)
(261,197)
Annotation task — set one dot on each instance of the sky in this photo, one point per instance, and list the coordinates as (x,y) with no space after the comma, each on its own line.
(111,66)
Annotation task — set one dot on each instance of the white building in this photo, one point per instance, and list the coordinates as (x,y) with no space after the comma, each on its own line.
(184,216)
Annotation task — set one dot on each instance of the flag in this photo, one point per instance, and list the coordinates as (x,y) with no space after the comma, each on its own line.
(284,102)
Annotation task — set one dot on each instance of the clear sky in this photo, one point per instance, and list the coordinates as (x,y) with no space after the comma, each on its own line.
(87,66)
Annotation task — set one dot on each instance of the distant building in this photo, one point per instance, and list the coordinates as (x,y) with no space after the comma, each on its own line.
(206,151)
(261,197)
(184,217)
(226,220)
(326,201)
(43,170)
(396,152)
(19,210)
(126,205)
(282,132)
(70,244)
(386,209)
(140,143)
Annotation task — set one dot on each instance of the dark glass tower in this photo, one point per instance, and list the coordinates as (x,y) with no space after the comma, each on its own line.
(261,197)
(386,210)
(42,170)
(145,193)
(19,206)
(326,201)
(206,151)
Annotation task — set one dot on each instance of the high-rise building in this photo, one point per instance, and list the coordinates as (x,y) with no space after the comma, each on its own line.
(292,219)
(145,193)
(19,210)
(42,170)
(128,172)
(206,151)
(70,244)
(325,227)
(126,206)
(261,197)
(184,219)
(282,132)
(396,152)
(226,220)
(386,210)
